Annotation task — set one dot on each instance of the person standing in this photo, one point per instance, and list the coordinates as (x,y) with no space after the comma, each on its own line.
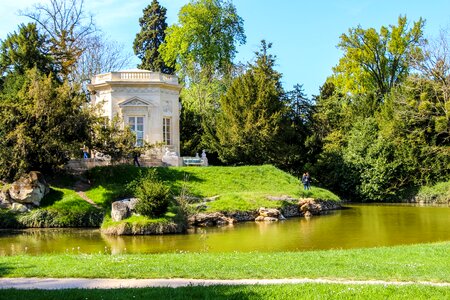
(308,181)
(136,154)
(304,181)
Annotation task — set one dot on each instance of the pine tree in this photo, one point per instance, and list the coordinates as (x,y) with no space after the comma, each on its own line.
(248,129)
(153,25)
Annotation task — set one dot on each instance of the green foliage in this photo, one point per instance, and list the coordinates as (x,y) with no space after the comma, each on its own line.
(8,219)
(41,123)
(23,51)
(202,45)
(111,138)
(253,104)
(205,35)
(377,61)
(438,193)
(154,196)
(148,40)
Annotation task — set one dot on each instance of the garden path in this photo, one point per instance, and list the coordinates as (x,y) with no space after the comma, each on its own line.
(80,188)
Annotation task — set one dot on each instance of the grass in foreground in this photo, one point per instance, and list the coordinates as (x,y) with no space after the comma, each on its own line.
(297,291)
(423,262)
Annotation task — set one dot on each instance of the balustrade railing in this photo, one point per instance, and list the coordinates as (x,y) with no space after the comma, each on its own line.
(135,76)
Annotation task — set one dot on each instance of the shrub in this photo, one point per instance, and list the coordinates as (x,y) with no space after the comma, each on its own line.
(8,219)
(154,196)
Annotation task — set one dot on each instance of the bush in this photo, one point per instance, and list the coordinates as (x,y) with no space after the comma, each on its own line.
(154,196)
(8,219)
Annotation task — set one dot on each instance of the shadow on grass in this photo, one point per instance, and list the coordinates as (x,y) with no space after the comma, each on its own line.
(115,180)
(206,292)
(177,177)
(4,269)
(51,198)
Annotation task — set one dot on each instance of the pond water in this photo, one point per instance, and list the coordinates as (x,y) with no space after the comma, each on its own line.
(356,226)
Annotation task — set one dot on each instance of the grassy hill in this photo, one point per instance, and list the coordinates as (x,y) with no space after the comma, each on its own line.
(237,188)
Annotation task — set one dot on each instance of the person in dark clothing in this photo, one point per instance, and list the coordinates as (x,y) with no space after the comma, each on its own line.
(304,181)
(136,159)
(308,181)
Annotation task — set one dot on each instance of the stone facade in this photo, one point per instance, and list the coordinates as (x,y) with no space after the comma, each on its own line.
(147,101)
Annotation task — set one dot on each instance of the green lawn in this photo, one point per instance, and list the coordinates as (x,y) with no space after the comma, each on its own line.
(423,262)
(288,292)
(238,188)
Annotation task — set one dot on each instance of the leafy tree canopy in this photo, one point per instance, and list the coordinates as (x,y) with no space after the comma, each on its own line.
(205,37)
(377,61)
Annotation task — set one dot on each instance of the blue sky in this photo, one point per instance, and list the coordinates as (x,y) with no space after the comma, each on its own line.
(304,33)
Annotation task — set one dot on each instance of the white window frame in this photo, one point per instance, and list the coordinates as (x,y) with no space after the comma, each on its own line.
(133,123)
(167,130)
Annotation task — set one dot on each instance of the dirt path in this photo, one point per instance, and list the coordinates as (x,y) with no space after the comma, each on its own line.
(80,188)
(87,283)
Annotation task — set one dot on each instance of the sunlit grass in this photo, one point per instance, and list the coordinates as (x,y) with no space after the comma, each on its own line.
(284,291)
(438,193)
(423,262)
(238,188)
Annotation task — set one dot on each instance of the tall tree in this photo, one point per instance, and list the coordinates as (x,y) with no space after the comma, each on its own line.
(66,26)
(252,109)
(41,122)
(202,46)
(24,50)
(205,37)
(146,44)
(377,61)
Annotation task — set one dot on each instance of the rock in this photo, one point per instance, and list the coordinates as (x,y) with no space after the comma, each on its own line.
(242,216)
(211,219)
(123,209)
(5,200)
(19,207)
(317,206)
(210,199)
(291,210)
(132,204)
(120,210)
(30,188)
(265,219)
(269,212)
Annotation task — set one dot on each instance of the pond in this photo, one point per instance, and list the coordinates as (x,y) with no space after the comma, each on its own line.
(356,226)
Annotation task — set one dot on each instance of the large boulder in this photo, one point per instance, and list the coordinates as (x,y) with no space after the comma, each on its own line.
(29,189)
(269,215)
(123,209)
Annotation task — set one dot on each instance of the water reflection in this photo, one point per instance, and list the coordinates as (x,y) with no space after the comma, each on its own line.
(358,226)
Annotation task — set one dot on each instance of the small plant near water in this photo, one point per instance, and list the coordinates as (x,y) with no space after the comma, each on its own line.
(154,196)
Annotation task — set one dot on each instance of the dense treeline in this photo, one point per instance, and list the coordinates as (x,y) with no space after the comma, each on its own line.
(378,129)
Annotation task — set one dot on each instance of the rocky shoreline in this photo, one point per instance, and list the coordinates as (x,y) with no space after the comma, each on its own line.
(305,207)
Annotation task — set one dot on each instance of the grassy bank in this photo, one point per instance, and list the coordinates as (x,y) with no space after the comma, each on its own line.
(62,207)
(241,188)
(423,262)
(298,291)
(438,193)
